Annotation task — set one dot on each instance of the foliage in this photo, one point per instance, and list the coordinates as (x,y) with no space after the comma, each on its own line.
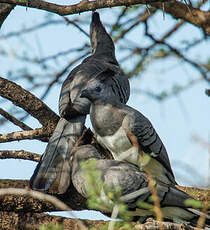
(51,227)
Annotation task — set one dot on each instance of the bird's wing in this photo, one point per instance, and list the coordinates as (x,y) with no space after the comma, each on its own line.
(149,142)
(135,190)
(117,174)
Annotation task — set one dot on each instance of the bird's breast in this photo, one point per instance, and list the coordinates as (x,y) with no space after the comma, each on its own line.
(120,146)
(104,120)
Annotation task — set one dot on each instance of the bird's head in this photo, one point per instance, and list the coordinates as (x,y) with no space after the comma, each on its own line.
(100,87)
(93,93)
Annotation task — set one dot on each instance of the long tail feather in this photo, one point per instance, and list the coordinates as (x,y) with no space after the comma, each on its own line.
(52,174)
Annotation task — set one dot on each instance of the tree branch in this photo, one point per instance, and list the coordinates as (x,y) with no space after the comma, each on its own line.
(207,91)
(175,8)
(39,134)
(22,208)
(19,154)
(177,52)
(71,198)
(5,10)
(14,120)
(30,104)
(83,6)
(12,203)
(188,13)
(41,197)
(32,221)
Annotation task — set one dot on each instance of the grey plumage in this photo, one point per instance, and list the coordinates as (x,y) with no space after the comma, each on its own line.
(53,171)
(128,134)
(134,187)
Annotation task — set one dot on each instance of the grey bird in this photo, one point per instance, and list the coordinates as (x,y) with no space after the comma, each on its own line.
(128,134)
(52,174)
(133,184)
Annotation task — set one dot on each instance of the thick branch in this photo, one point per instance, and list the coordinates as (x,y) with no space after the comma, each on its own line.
(40,134)
(5,10)
(175,8)
(12,203)
(19,154)
(192,15)
(41,197)
(77,8)
(32,221)
(72,198)
(29,103)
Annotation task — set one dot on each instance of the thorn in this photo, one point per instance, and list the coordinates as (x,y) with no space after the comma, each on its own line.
(148,11)
(207,91)
(188,8)
(163,7)
(27,4)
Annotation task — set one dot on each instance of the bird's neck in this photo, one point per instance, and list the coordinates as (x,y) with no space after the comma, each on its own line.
(100,101)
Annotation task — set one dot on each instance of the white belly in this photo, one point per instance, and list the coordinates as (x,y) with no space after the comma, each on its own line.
(120,146)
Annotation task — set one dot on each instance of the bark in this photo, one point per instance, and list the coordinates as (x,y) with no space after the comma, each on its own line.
(177,9)
(71,198)
(188,13)
(40,134)
(19,154)
(5,10)
(32,221)
(14,203)
(27,101)
(32,105)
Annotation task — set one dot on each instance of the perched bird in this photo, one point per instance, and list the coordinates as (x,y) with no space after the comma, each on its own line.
(133,184)
(52,174)
(128,134)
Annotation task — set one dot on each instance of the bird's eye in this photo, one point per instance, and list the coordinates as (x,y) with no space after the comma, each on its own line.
(98,89)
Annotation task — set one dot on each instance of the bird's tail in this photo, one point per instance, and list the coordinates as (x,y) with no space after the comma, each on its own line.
(199,214)
(185,205)
(176,205)
(52,173)
(100,40)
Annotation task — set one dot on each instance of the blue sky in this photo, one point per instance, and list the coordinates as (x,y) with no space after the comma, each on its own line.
(176,119)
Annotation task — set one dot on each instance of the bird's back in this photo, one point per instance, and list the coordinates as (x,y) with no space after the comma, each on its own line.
(87,72)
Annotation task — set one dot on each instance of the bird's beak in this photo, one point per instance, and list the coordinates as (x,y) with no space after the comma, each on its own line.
(84,93)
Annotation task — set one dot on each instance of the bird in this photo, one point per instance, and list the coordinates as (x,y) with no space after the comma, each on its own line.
(52,173)
(128,134)
(134,188)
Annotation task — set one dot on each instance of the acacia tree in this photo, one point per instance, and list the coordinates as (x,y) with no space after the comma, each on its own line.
(18,210)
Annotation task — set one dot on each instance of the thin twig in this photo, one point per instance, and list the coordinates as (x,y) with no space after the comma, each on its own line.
(177,52)
(142,18)
(113,217)
(76,25)
(31,29)
(14,120)
(60,74)
(157,209)
(30,103)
